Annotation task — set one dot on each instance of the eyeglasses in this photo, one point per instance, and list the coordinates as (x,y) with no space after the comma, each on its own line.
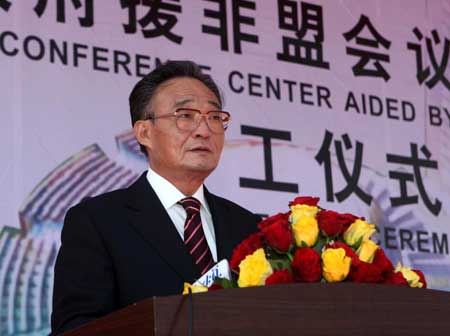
(188,119)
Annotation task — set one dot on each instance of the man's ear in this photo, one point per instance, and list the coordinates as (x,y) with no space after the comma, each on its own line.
(142,131)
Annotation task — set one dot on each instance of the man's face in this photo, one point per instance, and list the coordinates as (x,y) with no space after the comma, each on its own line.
(177,153)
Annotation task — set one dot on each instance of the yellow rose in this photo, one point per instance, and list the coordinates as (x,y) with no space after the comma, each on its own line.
(366,251)
(410,276)
(305,230)
(359,231)
(300,211)
(254,269)
(194,288)
(336,264)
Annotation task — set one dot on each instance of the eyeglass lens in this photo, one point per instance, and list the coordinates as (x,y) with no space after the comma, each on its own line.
(189,119)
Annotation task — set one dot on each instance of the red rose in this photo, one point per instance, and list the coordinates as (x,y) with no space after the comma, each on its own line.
(280,217)
(307,200)
(366,272)
(328,223)
(278,236)
(347,220)
(214,287)
(279,277)
(348,252)
(333,223)
(395,278)
(382,262)
(245,248)
(422,278)
(306,265)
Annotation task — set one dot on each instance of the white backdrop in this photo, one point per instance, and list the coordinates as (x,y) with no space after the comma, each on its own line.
(65,129)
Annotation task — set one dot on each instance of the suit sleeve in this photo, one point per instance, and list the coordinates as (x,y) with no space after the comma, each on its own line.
(84,277)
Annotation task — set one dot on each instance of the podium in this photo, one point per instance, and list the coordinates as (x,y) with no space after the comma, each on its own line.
(289,309)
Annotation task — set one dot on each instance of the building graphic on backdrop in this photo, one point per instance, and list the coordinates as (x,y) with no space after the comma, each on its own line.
(28,254)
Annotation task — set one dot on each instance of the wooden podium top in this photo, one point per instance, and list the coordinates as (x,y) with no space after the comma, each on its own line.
(291,309)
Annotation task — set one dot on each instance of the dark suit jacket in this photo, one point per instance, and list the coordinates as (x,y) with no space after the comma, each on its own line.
(121,247)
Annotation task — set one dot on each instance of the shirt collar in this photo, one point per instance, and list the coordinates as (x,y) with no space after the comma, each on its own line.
(168,194)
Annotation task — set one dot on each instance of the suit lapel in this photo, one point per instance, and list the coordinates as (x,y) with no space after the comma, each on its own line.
(150,219)
(221,216)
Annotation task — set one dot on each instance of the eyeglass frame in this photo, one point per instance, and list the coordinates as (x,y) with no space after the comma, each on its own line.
(202,115)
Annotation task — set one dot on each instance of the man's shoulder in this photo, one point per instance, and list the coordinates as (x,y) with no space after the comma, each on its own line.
(231,206)
(114,197)
(111,200)
(110,204)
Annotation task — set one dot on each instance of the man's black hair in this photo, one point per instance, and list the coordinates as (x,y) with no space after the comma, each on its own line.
(144,90)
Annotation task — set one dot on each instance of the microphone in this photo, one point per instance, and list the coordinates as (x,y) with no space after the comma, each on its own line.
(219,270)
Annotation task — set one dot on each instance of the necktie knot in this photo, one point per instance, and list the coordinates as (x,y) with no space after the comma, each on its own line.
(190,204)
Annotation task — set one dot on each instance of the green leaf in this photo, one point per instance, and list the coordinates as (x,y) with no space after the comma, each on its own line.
(321,242)
(274,254)
(357,244)
(289,256)
(277,260)
(280,263)
(225,283)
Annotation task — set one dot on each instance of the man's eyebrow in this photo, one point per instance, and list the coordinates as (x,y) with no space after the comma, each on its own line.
(189,100)
(183,102)
(216,104)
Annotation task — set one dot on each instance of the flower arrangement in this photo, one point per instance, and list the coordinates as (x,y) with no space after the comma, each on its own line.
(312,244)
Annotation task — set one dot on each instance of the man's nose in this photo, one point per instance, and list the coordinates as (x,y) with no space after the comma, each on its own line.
(202,128)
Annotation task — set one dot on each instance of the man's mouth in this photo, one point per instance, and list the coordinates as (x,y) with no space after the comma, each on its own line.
(201,149)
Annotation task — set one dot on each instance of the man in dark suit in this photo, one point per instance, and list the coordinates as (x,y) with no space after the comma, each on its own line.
(166,228)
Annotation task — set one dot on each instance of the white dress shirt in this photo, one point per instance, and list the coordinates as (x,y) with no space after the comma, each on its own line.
(169,195)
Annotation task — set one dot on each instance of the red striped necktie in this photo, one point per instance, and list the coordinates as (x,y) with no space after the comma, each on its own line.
(194,236)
